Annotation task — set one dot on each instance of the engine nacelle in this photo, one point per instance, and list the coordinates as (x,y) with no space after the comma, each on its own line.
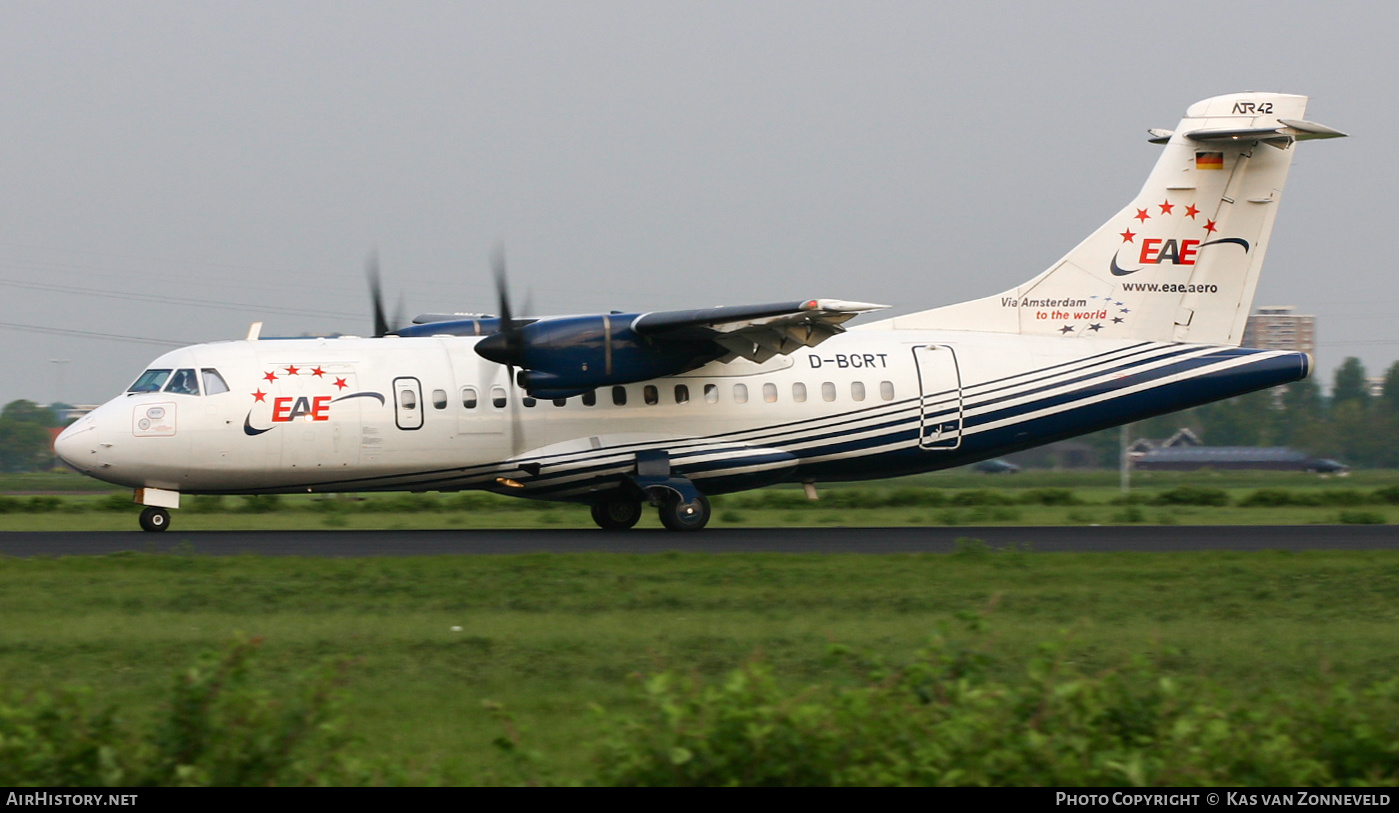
(578,353)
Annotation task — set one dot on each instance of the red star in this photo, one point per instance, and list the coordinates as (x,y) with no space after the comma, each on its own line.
(1209,227)
(291,370)
(259,395)
(340,382)
(1191,211)
(270,377)
(1166,207)
(1142,215)
(1128,235)
(317,372)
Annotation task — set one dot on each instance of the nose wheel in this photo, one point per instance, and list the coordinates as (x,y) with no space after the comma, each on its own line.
(155,519)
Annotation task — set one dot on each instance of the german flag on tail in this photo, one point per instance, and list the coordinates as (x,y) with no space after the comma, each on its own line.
(1209,160)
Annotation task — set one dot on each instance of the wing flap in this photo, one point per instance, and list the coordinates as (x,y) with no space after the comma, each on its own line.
(756,332)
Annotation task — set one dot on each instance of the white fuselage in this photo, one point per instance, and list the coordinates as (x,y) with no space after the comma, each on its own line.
(352,414)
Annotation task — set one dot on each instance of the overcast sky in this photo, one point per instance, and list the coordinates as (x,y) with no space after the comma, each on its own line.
(172,171)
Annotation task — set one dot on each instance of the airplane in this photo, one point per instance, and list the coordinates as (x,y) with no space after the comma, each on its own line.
(620,410)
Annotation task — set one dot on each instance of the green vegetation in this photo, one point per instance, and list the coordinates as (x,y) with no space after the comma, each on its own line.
(944,498)
(941,720)
(217,728)
(441,657)
(24,437)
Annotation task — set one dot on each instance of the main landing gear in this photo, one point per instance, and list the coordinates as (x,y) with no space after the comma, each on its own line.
(619,511)
(616,511)
(681,506)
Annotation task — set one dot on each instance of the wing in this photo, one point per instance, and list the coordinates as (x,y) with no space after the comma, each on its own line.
(754,332)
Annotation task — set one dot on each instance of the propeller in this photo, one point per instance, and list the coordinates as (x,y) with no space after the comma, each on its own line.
(506,346)
(376,294)
(382,326)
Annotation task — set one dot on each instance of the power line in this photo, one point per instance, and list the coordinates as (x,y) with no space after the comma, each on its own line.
(173,300)
(88,334)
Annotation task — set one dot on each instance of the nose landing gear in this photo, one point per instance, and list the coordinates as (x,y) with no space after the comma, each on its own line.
(155,519)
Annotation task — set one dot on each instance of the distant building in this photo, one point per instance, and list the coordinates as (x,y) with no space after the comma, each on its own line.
(1280,327)
(1182,438)
(1193,458)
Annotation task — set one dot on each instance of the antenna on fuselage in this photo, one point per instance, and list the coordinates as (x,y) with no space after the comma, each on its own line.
(254,330)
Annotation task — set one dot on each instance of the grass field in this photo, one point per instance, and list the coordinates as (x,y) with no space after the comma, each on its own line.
(550,635)
(57,501)
(428,641)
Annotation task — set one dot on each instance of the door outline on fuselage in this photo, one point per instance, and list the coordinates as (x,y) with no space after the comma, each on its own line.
(404,416)
(940,406)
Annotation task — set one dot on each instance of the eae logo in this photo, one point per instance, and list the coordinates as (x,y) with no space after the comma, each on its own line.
(313,409)
(1156,251)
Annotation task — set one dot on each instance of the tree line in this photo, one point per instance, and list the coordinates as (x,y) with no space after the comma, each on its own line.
(25,439)
(1351,425)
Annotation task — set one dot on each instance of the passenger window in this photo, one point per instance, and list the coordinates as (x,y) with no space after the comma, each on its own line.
(799,392)
(183,382)
(770,393)
(886,390)
(651,395)
(150,381)
(740,393)
(213,382)
(857,390)
(468,397)
(528,401)
(560,401)
(619,396)
(711,393)
(590,398)
(498,397)
(682,394)
(407,399)
(828,391)
(439,399)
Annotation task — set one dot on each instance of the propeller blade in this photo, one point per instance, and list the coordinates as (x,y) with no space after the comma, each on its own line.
(505,346)
(376,294)
(399,319)
(502,287)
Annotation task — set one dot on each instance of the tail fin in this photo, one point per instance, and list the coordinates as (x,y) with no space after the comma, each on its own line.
(1181,261)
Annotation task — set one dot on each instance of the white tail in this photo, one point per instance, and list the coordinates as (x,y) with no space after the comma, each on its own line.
(1181,261)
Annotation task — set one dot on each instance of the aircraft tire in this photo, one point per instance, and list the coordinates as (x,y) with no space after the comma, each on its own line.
(155,519)
(616,512)
(675,517)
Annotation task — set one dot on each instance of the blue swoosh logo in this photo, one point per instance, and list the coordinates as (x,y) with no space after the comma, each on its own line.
(1239,241)
(1119,271)
(360,395)
(248,426)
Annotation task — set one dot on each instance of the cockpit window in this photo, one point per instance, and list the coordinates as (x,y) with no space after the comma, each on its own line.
(183,382)
(213,382)
(150,381)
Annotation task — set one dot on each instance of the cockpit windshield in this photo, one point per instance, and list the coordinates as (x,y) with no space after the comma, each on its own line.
(150,381)
(184,382)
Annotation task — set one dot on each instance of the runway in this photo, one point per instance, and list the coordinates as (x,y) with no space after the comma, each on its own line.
(827,540)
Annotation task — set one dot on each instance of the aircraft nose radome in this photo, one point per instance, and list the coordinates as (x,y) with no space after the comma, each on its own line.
(74,445)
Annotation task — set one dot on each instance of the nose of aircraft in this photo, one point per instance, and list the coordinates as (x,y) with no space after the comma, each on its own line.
(75,444)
